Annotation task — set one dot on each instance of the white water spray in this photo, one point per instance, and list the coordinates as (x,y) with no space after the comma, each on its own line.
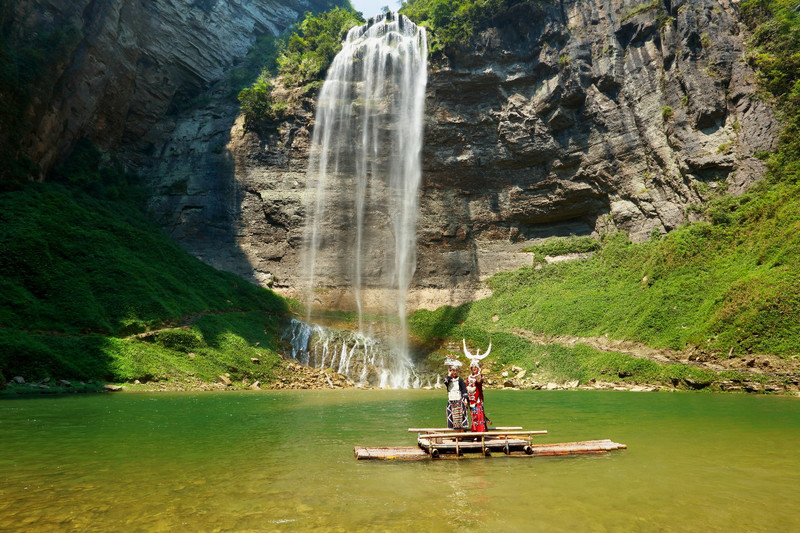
(364,175)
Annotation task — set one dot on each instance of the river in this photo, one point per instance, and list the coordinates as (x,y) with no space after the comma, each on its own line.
(274,461)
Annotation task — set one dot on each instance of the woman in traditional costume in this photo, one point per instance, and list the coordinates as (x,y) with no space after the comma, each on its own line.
(457,404)
(475,389)
(475,397)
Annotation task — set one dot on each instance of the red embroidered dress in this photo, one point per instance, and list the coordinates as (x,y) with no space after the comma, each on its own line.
(475,396)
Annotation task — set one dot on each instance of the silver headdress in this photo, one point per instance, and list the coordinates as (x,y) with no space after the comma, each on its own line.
(475,359)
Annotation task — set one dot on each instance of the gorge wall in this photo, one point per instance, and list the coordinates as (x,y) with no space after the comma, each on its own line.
(572,117)
(123,68)
(565,117)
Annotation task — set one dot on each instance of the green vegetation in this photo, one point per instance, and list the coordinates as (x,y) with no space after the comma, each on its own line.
(82,270)
(639,9)
(452,23)
(562,246)
(666,113)
(558,363)
(261,58)
(313,44)
(297,61)
(728,285)
(774,53)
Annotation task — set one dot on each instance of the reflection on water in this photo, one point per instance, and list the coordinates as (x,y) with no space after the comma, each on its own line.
(256,461)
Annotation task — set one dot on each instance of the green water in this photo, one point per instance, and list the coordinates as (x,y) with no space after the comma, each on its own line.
(274,461)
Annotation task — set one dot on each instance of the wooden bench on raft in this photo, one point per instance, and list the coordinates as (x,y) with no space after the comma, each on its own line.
(507,440)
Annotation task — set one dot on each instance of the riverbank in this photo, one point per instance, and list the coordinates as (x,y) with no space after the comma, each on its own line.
(754,380)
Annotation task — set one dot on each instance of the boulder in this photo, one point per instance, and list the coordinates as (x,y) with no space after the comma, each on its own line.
(225,380)
(696,384)
(18,380)
(751,386)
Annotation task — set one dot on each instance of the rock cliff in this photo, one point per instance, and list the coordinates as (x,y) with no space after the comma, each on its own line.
(571,117)
(565,117)
(128,65)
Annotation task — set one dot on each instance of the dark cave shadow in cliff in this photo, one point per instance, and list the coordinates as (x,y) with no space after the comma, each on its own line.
(207,224)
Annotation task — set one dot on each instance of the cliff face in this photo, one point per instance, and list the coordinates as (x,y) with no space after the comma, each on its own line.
(583,116)
(128,63)
(578,116)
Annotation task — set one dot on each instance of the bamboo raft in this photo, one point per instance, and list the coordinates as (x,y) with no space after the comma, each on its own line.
(441,443)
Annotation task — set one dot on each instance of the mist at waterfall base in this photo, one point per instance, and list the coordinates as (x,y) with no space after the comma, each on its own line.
(363,180)
(364,359)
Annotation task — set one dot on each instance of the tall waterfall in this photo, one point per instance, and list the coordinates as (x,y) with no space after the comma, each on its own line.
(364,174)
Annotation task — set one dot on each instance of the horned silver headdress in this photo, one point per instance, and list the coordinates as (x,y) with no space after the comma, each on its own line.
(475,359)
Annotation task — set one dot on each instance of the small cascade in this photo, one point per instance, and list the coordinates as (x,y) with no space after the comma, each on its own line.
(359,357)
(363,179)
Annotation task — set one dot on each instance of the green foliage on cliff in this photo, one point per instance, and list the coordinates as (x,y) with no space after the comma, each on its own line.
(728,285)
(775,53)
(562,246)
(311,47)
(81,268)
(451,22)
(302,59)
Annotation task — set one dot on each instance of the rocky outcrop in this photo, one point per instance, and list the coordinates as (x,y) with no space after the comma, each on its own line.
(598,115)
(126,66)
(564,118)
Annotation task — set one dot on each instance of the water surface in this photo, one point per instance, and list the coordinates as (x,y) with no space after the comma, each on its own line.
(272,461)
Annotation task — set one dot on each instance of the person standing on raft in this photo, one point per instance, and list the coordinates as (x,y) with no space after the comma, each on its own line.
(458,416)
(475,397)
(475,389)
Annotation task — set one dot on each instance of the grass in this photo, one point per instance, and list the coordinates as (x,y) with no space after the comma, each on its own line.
(82,269)
(728,288)
(728,285)
(555,362)
(563,246)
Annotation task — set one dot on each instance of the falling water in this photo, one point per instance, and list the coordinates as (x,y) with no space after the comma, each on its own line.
(359,357)
(364,173)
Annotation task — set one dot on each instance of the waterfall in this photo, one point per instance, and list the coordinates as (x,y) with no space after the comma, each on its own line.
(360,358)
(364,173)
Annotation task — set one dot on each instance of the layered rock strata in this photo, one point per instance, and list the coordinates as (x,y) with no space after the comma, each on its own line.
(570,117)
(123,67)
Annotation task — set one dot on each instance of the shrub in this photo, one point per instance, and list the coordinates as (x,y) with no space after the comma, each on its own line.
(180,340)
(562,246)
(300,60)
